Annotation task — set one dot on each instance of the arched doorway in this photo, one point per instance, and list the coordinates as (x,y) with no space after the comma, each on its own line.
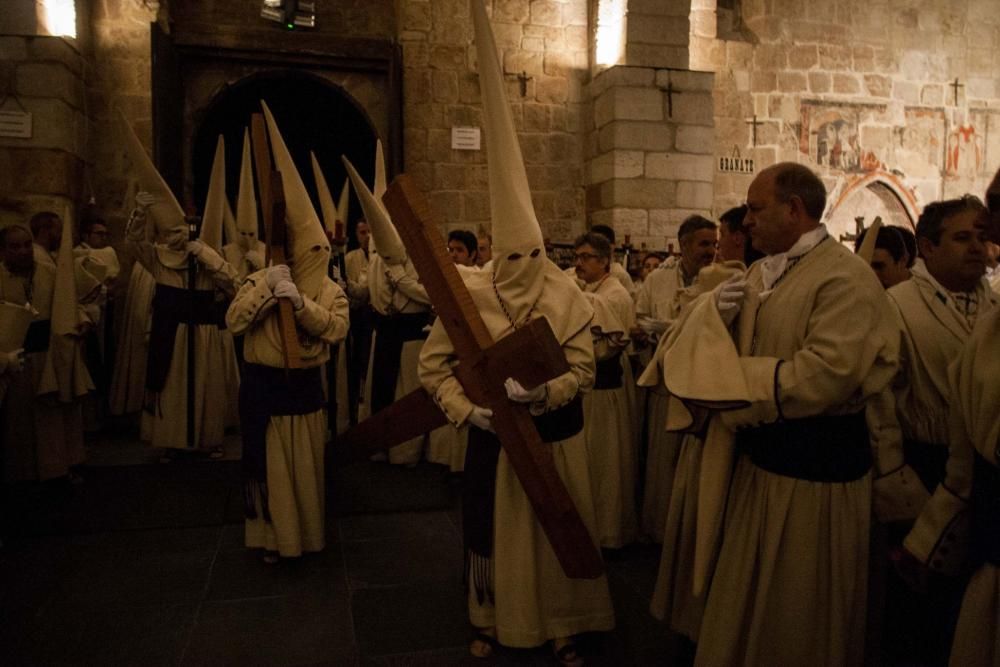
(874,195)
(313,114)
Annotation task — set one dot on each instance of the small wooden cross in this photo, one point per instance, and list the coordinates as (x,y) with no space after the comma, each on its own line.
(669,90)
(955,85)
(523,79)
(754,123)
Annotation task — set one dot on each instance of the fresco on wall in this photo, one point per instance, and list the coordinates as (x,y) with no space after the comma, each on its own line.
(919,143)
(964,153)
(830,135)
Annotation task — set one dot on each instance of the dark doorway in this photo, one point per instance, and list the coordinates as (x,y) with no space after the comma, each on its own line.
(313,115)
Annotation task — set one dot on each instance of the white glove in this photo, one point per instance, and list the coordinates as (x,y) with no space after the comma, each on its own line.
(519,394)
(255,259)
(278,274)
(143,200)
(15,360)
(652,327)
(205,254)
(729,298)
(481,418)
(286,289)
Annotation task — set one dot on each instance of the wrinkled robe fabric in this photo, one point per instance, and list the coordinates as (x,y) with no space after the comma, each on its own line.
(128,383)
(941,531)
(216,373)
(534,600)
(296,444)
(42,437)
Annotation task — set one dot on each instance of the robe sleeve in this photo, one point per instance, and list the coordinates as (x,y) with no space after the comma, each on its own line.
(252,302)
(141,247)
(328,319)
(561,390)
(897,492)
(435,370)
(223,275)
(409,286)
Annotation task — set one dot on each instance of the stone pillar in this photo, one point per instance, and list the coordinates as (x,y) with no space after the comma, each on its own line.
(43,76)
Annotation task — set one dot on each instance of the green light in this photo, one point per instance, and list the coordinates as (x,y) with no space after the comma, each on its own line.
(290,26)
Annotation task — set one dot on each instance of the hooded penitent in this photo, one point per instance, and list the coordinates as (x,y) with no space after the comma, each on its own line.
(65,371)
(387,242)
(326,205)
(344,202)
(166,214)
(246,201)
(308,248)
(518,248)
(215,203)
(230,235)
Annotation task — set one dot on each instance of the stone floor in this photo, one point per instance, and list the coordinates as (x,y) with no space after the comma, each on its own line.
(145,565)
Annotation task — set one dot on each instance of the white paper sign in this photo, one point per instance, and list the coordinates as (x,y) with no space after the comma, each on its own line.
(15,124)
(465,138)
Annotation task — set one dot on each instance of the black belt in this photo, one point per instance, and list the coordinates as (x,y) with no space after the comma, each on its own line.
(38,336)
(986,511)
(173,306)
(928,460)
(818,449)
(608,373)
(391,331)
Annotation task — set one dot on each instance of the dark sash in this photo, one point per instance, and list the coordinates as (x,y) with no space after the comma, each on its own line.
(609,373)
(391,331)
(266,392)
(38,336)
(479,488)
(818,449)
(928,460)
(985,512)
(173,306)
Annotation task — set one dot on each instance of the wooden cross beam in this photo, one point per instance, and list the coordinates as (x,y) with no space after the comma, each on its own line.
(531,355)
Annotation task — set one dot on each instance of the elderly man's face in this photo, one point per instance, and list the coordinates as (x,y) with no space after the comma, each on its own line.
(18,255)
(769,222)
(698,249)
(589,266)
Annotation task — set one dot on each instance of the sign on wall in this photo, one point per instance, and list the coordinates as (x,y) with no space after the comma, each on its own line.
(15,124)
(735,163)
(465,138)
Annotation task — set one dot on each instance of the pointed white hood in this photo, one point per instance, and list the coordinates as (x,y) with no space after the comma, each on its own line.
(308,247)
(344,202)
(518,247)
(229,233)
(326,204)
(213,217)
(867,249)
(388,244)
(246,202)
(166,214)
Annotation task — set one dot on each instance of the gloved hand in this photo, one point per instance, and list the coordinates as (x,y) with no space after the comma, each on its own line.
(195,247)
(652,327)
(15,360)
(255,259)
(729,298)
(519,394)
(286,289)
(143,200)
(481,418)
(277,274)
(204,254)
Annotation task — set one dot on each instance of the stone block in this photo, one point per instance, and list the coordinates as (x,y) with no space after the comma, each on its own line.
(423,114)
(863,58)
(545,12)
(576,37)
(834,56)
(445,86)
(423,174)
(416,54)
(685,81)
(656,55)
(616,164)
(792,82)
(557,64)
(695,139)
(680,166)
(13,48)
(694,195)
(439,146)
(659,8)
(442,10)
(447,56)
(532,44)
(415,144)
(693,109)
(631,221)
(53,126)
(980,88)
(876,135)
(449,177)
(739,55)
(417,85)
(468,89)
(932,94)
(563,148)
(906,91)
(575,13)
(57,49)
(552,90)
(763,82)
(627,103)
(819,82)
(508,34)
(517,61)
(805,56)
(49,80)
(638,193)
(545,206)
(515,11)
(447,205)
(476,206)
(622,76)
(629,134)
(536,117)
(878,85)
(783,107)
(47,172)
(846,84)
(663,30)
(704,23)
(770,57)
(416,16)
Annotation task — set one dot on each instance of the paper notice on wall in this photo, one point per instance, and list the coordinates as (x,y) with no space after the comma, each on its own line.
(465,138)
(14,323)
(15,124)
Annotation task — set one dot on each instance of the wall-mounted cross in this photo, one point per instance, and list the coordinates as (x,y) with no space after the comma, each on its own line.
(669,90)
(523,79)
(754,123)
(955,85)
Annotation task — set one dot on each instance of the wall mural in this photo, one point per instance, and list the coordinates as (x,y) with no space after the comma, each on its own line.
(830,133)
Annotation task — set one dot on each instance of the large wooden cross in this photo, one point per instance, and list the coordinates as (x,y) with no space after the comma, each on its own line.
(531,355)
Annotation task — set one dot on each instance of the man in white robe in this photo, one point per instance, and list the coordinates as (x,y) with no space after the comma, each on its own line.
(609,421)
(656,307)
(359,338)
(283,410)
(790,586)
(46,227)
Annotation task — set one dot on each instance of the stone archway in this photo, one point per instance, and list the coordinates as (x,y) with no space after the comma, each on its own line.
(314,115)
(877,194)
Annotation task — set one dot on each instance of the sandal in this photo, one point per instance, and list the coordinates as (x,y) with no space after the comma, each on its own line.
(484,645)
(567,654)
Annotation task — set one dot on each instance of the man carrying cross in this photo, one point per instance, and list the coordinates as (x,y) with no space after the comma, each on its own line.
(518,592)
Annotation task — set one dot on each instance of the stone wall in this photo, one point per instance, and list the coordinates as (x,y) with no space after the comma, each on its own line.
(860,91)
(547,41)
